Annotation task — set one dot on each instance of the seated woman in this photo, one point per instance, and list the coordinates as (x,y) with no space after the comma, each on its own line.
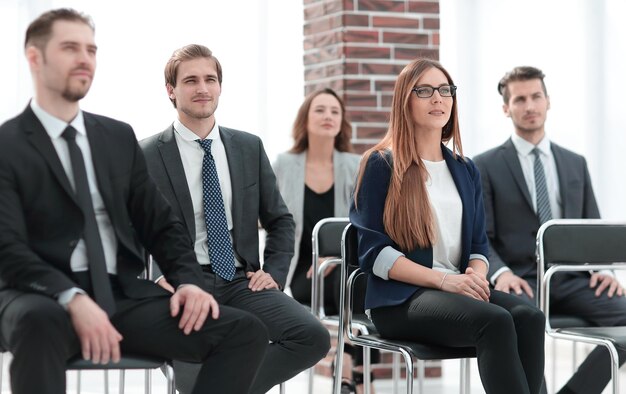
(419,214)
(316,179)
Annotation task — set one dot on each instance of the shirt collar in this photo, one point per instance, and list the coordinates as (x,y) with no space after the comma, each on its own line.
(189,135)
(525,148)
(55,126)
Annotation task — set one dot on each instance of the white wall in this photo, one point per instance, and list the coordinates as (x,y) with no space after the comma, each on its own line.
(258,42)
(580,46)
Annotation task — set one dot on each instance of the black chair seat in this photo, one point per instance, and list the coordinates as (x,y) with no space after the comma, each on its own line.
(564,321)
(617,335)
(423,351)
(126,362)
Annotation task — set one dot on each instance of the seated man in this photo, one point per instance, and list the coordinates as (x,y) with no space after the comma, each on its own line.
(76,202)
(220,182)
(527,181)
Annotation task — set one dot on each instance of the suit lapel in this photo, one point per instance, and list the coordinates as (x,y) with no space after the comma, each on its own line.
(98,147)
(235,159)
(562,173)
(176,174)
(509,154)
(464,186)
(41,141)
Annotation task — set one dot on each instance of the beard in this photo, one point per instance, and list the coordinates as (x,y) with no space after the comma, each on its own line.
(201,114)
(75,93)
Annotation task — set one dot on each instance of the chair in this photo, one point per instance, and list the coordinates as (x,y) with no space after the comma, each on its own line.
(127,362)
(407,349)
(581,245)
(326,242)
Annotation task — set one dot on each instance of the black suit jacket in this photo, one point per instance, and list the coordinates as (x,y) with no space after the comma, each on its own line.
(511,220)
(41,223)
(256,197)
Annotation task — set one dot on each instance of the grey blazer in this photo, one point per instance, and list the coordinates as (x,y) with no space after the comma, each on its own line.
(511,221)
(256,198)
(290,173)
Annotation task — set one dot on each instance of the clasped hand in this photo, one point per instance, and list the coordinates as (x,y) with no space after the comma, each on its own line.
(471,284)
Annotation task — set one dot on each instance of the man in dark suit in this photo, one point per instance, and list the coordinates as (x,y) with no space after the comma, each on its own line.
(76,205)
(527,181)
(212,174)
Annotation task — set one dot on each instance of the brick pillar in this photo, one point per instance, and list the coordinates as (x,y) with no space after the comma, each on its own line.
(358,47)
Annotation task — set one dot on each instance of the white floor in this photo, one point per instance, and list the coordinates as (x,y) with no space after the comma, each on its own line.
(93,382)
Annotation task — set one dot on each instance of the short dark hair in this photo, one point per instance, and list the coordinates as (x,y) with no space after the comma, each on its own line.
(39,31)
(521,73)
(188,52)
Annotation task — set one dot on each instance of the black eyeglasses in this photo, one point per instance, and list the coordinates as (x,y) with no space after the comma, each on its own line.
(428,91)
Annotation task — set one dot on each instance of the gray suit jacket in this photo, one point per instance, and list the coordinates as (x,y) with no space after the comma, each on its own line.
(511,220)
(290,172)
(255,197)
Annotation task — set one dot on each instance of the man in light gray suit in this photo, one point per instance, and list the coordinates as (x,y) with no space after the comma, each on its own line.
(520,194)
(220,182)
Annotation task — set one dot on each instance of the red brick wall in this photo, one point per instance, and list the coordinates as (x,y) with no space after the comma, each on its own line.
(358,47)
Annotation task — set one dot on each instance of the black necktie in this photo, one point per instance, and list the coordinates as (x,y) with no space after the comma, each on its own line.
(100,283)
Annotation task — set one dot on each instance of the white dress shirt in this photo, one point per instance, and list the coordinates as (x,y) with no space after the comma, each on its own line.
(192,154)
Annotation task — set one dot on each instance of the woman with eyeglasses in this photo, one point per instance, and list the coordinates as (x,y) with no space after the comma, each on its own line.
(419,214)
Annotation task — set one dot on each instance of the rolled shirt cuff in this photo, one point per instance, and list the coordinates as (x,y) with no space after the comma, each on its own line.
(384,261)
(498,273)
(478,256)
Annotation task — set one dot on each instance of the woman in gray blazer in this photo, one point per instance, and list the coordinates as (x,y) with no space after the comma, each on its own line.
(316,179)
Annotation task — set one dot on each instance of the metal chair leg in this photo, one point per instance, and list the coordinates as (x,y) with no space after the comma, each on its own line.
(148,381)
(106,381)
(421,375)
(171,383)
(122,379)
(77,382)
(395,372)
(408,362)
(465,376)
(367,370)
(281,388)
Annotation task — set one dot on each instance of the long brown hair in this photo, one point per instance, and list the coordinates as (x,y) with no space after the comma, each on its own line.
(407,217)
(301,134)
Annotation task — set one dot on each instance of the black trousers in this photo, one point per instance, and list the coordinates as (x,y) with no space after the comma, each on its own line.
(508,334)
(39,334)
(298,339)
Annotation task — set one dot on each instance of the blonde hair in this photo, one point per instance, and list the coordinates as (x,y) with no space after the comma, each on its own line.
(407,216)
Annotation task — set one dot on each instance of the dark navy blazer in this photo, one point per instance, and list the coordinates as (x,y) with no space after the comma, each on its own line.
(372,238)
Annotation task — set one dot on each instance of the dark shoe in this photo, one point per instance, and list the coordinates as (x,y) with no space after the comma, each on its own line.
(347,387)
(357,377)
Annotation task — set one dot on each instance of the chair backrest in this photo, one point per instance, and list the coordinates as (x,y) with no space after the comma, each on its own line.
(326,242)
(581,241)
(576,245)
(354,295)
(326,236)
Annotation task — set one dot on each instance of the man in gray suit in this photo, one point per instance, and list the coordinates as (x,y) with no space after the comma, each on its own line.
(220,182)
(520,193)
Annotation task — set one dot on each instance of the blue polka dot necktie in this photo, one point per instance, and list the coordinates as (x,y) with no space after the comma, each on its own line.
(544,212)
(218,239)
